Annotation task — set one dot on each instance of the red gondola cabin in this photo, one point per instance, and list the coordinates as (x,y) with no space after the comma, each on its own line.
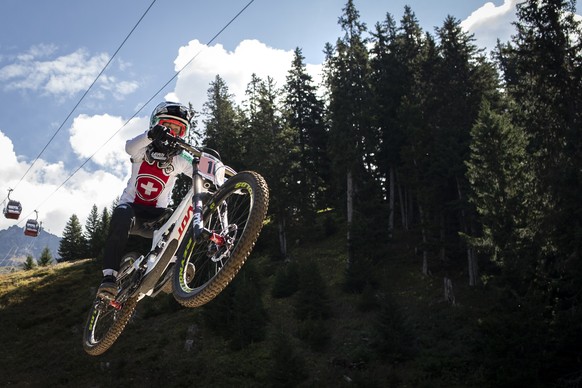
(32,228)
(13,210)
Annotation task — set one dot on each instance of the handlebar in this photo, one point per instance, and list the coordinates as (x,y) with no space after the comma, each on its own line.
(197,152)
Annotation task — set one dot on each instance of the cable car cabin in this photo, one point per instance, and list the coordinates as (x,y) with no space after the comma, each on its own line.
(32,228)
(13,209)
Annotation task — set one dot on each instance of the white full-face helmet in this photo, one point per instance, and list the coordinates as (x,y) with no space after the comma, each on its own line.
(175,117)
(173,112)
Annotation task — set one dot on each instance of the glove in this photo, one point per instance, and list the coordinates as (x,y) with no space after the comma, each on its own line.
(158,132)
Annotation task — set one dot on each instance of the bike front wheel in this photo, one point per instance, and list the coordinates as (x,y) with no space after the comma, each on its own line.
(234,216)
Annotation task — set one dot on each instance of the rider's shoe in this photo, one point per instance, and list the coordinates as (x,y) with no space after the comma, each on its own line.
(108,287)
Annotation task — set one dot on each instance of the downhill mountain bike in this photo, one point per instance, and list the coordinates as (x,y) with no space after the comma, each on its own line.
(196,250)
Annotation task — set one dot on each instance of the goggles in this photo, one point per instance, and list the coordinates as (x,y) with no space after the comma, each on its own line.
(176,127)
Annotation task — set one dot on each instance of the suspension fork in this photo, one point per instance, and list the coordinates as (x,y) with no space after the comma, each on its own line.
(200,232)
(197,182)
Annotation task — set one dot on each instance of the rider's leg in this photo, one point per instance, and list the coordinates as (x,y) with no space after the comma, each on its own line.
(122,219)
(126,219)
(121,222)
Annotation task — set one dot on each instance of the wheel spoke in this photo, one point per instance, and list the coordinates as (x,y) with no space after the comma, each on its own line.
(236,216)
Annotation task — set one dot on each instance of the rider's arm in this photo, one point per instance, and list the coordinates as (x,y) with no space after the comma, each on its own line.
(183,163)
(132,146)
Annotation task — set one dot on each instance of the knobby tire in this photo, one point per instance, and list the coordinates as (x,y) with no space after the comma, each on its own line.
(98,346)
(96,343)
(197,279)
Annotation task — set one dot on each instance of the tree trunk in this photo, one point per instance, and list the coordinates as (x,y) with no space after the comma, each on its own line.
(449,294)
(282,238)
(350,212)
(442,250)
(473,269)
(409,208)
(424,241)
(402,200)
(471,254)
(391,203)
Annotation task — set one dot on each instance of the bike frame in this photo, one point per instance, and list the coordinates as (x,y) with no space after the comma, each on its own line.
(208,170)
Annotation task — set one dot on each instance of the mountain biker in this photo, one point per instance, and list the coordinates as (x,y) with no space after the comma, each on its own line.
(155,163)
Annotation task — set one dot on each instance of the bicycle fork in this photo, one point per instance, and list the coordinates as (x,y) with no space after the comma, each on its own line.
(200,232)
(197,185)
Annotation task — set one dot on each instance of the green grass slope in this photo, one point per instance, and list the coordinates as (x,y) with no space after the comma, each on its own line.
(401,333)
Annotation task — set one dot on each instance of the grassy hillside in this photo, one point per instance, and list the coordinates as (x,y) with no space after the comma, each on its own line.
(402,333)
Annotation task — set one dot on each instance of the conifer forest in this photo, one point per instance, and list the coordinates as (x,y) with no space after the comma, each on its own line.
(474,156)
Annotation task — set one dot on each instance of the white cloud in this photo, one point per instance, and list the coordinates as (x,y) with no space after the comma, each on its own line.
(38,190)
(102,137)
(488,13)
(10,168)
(490,23)
(118,89)
(235,68)
(62,76)
(37,51)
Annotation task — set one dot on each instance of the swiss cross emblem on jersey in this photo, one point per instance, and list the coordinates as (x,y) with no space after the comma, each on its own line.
(148,187)
(150,183)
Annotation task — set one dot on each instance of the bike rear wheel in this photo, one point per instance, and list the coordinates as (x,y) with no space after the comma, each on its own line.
(234,215)
(104,325)
(106,319)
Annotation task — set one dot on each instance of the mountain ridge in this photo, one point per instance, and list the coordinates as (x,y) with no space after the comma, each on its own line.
(15,246)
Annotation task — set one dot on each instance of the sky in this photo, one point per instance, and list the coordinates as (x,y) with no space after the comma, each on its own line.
(78,78)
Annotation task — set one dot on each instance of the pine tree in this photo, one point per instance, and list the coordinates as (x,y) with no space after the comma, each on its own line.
(288,367)
(501,181)
(237,313)
(388,86)
(262,124)
(218,314)
(541,69)
(29,263)
(91,232)
(249,314)
(352,142)
(304,113)
(271,151)
(223,125)
(312,307)
(393,338)
(101,233)
(46,257)
(535,228)
(73,245)
(455,102)
(311,299)
(419,54)
(286,280)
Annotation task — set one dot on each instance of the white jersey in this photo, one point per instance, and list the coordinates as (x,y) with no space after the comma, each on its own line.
(151,182)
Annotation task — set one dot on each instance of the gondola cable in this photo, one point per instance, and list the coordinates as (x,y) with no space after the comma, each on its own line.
(146,103)
(85,94)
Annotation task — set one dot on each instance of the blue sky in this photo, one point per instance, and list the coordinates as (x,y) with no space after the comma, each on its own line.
(51,52)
